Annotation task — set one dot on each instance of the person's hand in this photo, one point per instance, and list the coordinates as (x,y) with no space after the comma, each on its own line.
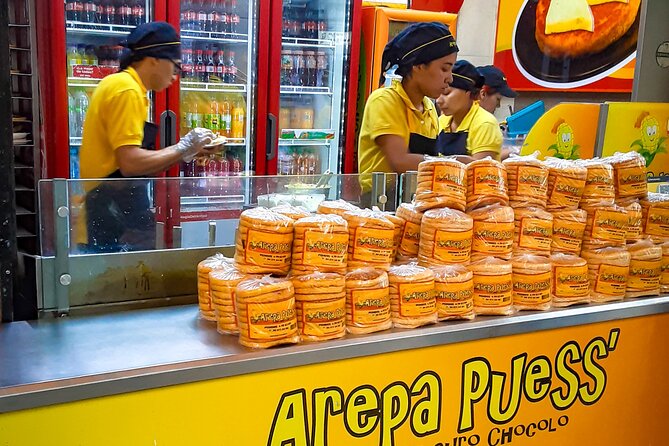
(194,142)
(213,149)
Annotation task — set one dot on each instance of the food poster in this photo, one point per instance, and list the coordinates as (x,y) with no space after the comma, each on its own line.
(566,131)
(641,127)
(587,45)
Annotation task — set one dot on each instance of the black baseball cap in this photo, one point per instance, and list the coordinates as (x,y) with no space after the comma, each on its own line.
(466,76)
(495,79)
(155,39)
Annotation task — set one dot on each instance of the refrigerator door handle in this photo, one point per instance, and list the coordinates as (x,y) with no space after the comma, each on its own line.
(168,129)
(271,142)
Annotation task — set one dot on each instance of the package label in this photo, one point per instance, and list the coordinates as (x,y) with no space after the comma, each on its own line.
(416,299)
(449,181)
(322,318)
(532,182)
(611,279)
(271,320)
(567,235)
(644,274)
(492,238)
(657,222)
(571,281)
(489,181)
(535,233)
(633,224)
(370,307)
(599,184)
(492,291)
(631,181)
(454,298)
(322,249)
(265,248)
(373,245)
(610,225)
(531,289)
(664,278)
(452,247)
(410,240)
(566,191)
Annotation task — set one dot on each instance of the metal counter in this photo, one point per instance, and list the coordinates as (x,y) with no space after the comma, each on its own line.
(55,361)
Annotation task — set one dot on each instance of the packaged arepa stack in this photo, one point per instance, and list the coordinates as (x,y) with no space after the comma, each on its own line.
(608,269)
(371,239)
(223,283)
(266,314)
(634,230)
(410,236)
(493,230)
(441,183)
(566,181)
(664,278)
(533,231)
(412,302)
(629,174)
(445,237)
(568,231)
(336,207)
(655,216)
(531,282)
(570,282)
(598,182)
(398,224)
(367,301)
(528,181)
(606,226)
(645,269)
(493,285)
(217,261)
(486,184)
(454,292)
(320,301)
(294,212)
(264,242)
(320,244)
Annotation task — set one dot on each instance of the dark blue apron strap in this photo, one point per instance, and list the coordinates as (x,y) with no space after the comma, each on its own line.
(422,145)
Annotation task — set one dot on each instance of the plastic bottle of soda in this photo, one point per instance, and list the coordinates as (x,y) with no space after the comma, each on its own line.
(138,12)
(89,11)
(99,11)
(231,72)
(197,112)
(221,69)
(71,115)
(73,59)
(322,69)
(238,120)
(124,13)
(212,118)
(108,12)
(233,17)
(310,69)
(69,10)
(210,23)
(200,70)
(286,67)
(298,68)
(201,23)
(225,123)
(187,67)
(91,58)
(186,14)
(211,66)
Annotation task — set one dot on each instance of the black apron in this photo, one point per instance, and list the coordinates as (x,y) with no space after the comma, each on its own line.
(118,213)
(422,145)
(452,143)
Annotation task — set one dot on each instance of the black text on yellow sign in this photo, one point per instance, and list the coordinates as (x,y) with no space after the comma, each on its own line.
(367,410)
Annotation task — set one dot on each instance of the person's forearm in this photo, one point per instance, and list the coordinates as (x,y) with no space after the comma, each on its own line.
(137,162)
(407,162)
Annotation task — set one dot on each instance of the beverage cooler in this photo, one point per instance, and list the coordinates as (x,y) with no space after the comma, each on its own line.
(273,77)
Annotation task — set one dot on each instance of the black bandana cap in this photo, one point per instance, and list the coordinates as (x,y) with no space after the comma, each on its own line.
(418,44)
(154,39)
(466,76)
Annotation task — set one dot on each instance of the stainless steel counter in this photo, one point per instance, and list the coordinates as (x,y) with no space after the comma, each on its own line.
(54,361)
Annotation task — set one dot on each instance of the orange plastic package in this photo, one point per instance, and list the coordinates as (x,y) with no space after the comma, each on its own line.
(223,283)
(531,282)
(634,229)
(664,278)
(655,216)
(217,261)
(566,181)
(493,286)
(629,174)
(266,314)
(568,231)
(321,306)
(528,181)
(533,231)
(412,302)
(454,292)
(606,226)
(264,242)
(608,269)
(371,240)
(336,207)
(367,301)
(398,224)
(645,269)
(441,183)
(294,212)
(493,230)
(320,244)
(570,280)
(598,182)
(486,184)
(410,236)
(445,238)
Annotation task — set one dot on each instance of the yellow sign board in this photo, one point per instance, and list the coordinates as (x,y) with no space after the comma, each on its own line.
(598,384)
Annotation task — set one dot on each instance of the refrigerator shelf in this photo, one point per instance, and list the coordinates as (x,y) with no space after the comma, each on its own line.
(290,89)
(236,142)
(82,82)
(214,37)
(205,86)
(75,141)
(314,43)
(97,29)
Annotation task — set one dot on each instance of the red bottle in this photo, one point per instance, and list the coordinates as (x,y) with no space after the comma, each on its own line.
(231,73)
(211,66)
(200,70)
(233,17)
(201,23)
(138,12)
(187,67)
(221,69)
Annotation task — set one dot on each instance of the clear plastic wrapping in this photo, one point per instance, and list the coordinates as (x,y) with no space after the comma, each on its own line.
(566,181)
(493,229)
(598,182)
(441,183)
(533,231)
(528,181)
(629,174)
(655,216)
(568,231)
(367,301)
(410,236)
(493,286)
(294,212)
(445,237)
(570,281)
(608,269)
(371,239)
(531,282)
(412,301)
(398,223)
(645,269)
(264,242)
(222,283)
(320,302)
(634,229)
(336,207)
(486,184)
(664,278)
(217,261)
(266,314)
(320,244)
(606,226)
(454,292)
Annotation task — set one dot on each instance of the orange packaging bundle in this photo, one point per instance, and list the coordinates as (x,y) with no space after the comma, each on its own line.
(264,242)
(336,207)
(634,229)
(493,230)
(454,292)
(566,181)
(371,240)
(321,306)
(531,282)
(217,261)
(412,302)
(441,183)
(629,174)
(664,278)
(410,236)
(320,244)
(367,301)
(645,269)
(493,286)
(223,283)
(528,181)
(486,184)
(606,226)
(570,280)
(533,231)
(598,182)
(655,216)
(568,231)
(446,237)
(608,269)
(294,212)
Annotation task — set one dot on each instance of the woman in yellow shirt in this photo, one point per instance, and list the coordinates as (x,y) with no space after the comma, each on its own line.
(400,123)
(466,129)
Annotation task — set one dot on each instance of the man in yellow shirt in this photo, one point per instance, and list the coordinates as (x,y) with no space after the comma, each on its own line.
(466,129)
(399,123)
(116,142)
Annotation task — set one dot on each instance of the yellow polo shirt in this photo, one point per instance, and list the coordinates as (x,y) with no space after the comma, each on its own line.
(115,118)
(484,132)
(389,111)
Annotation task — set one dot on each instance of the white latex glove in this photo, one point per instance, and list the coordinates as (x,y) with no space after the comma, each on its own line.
(193,142)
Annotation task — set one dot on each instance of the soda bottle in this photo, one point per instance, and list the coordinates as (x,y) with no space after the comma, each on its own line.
(99,11)
(231,72)
(221,69)
(210,23)
(91,58)
(322,69)
(211,119)
(108,12)
(322,24)
(233,17)
(123,13)
(286,67)
(201,23)
(187,13)
(197,112)
(298,68)
(187,67)
(80,108)
(235,165)
(227,13)
(89,11)
(211,66)
(186,113)
(238,120)
(312,163)
(225,123)
(71,115)
(138,12)
(73,59)
(310,71)
(69,10)
(200,70)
